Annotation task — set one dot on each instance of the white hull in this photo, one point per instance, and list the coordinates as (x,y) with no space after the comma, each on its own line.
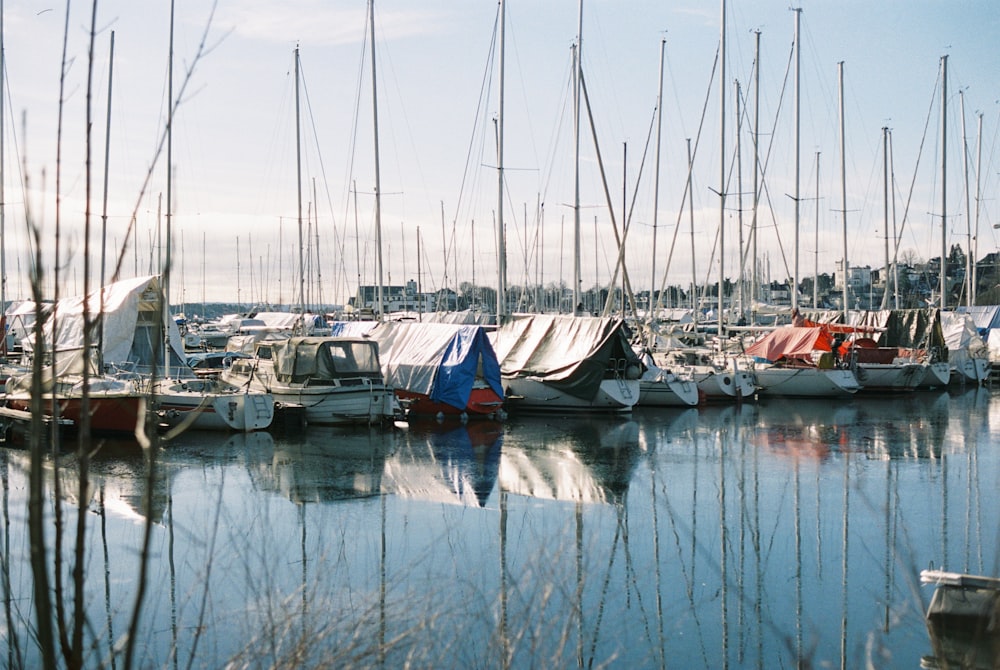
(890,377)
(936,375)
(805,382)
(339,405)
(971,371)
(613,395)
(668,392)
(662,388)
(202,405)
(724,385)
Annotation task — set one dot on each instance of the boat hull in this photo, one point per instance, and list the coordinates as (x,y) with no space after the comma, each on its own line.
(339,405)
(110,413)
(890,377)
(805,382)
(206,409)
(483,403)
(668,392)
(532,395)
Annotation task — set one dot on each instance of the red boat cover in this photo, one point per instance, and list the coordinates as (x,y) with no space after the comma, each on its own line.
(791,342)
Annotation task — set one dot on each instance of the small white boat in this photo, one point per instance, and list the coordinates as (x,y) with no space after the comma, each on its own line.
(659,387)
(336,380)
(208,404)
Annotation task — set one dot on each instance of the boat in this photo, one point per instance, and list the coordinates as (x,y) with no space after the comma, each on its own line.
(660,387)
(440,370)
(962,620)
(715,383)
(211,404)
(567,363)
(885,369)
(798,361)
(336,380)
(968,354)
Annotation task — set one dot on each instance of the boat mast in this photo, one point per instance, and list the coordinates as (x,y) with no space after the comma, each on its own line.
(722,164)
(968,207)
(577,77)
(378,184)
(656,178)
(885,209)
(754,288)
(170,211)
(3,178)
(798,153)
(695,302)
(944,181)
(979,167)
(104,211)
(501,310)
(843,184)
(739,195)
(816,255)
(298,183)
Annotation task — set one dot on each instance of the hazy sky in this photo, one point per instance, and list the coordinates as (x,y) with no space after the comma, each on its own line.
(235,213)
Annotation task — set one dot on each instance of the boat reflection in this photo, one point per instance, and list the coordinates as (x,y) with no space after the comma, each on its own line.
(450,462)
(588,460)
(328,464)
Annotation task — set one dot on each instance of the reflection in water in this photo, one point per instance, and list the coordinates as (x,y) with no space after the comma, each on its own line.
(760,535)
(577,459)
(449,462)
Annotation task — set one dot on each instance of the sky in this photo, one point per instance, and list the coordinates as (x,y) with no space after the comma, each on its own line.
(236,179)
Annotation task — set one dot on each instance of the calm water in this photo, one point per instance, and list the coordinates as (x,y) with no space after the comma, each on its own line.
(719,537)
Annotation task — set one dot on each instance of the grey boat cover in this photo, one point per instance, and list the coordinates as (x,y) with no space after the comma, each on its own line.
(300,359)
(571,353)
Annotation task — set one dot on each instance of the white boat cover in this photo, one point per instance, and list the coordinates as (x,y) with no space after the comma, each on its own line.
(571,353)
(128,332)
(438,360)
(962,339)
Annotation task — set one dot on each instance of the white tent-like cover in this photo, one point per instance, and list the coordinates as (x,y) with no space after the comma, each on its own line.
(127,331)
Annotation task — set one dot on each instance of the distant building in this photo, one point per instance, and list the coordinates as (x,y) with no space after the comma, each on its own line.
(394,299)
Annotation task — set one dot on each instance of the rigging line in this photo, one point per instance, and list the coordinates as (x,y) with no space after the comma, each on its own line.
(920,153)
(690,168)
(20,169)
(353,142)
(484,93)
(322,170)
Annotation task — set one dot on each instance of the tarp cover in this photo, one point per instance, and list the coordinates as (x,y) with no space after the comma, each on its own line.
(962,339)
(438,360)
(986,317)
(129,328)
(571,353)
(791,342)
(299,359)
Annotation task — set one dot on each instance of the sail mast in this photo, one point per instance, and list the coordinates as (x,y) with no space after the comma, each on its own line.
(656,178)
(944,181)
(843,185)
(501,310)
(170,211)
(798,154)
(577,77)
(298,183)
(722,164)
(378,183)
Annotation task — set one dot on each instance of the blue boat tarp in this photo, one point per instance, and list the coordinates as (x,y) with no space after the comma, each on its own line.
(439,360)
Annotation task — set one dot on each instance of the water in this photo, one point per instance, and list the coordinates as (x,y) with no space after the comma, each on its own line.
(755,536)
